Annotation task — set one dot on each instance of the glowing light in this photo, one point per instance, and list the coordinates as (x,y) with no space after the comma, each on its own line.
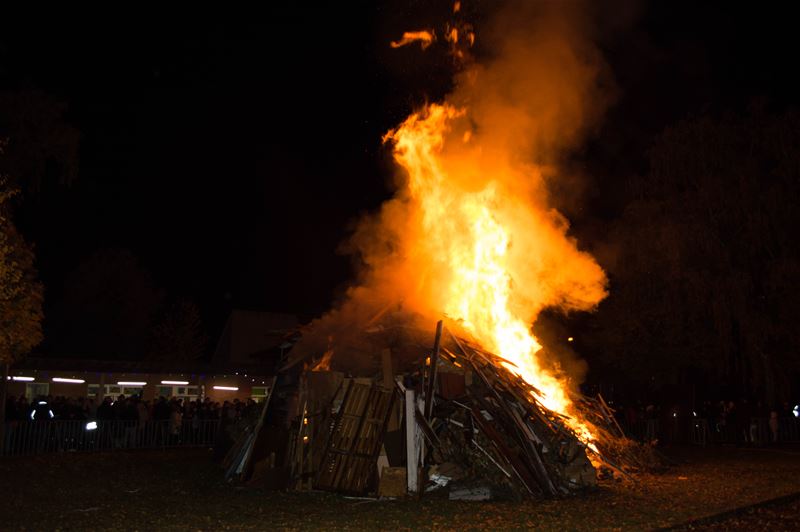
(570,339)
(796,411)
(227,388)
(23,379)
(92,425)
(175,382)
(131,383)
(70,381)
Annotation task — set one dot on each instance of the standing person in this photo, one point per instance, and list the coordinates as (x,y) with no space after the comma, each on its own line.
(745,413)
(142,417)
(142,412)
(105,414)
(773,424)
(161,415)
(118,432)
(12,420)
(732,422)
(175,423)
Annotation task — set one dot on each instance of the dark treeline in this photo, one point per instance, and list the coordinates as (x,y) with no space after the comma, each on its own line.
(703,269)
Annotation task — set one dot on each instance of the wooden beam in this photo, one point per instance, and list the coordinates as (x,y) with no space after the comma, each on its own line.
(432,372)
(412,443)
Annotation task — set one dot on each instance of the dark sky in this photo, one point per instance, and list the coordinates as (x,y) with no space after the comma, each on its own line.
(231,153)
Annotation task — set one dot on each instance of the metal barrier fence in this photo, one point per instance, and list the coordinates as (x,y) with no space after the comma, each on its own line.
(701,431)
(38,437)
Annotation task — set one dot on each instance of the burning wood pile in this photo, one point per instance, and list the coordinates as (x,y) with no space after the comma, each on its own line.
(497,430)
(470,233)
(420,419)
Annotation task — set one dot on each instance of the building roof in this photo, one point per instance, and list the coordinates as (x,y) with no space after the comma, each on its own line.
(254,337)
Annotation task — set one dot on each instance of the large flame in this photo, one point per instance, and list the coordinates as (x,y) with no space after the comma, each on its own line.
(470,238)
(470,231)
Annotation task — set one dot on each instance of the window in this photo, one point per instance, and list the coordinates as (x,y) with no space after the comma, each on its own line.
(35,389)
(259,393)
(185,392)
(113,391)
(179,392)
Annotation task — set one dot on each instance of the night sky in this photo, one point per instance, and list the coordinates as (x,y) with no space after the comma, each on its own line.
(232,152)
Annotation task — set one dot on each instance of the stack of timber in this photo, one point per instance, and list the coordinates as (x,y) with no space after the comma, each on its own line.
(463,419)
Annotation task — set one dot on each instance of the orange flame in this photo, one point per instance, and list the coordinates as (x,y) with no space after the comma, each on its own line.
(471,235)
(325,363)
(424,37)
(470,231)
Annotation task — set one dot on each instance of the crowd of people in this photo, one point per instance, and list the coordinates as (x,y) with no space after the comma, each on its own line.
(121,422)
(133,409)
(742,421)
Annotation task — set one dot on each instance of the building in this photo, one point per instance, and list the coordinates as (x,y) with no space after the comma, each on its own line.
(247,355)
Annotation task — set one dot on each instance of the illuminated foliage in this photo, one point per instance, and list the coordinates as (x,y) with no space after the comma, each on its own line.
(21,294)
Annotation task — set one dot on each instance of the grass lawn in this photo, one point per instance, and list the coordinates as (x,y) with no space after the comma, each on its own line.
(182,490)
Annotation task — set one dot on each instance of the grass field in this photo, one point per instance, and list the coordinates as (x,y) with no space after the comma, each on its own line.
(182,490)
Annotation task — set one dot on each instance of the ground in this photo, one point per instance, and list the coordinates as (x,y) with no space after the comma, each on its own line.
(182,490)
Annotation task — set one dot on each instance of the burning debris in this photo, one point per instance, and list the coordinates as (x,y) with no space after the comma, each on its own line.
(423,419)
(469,234)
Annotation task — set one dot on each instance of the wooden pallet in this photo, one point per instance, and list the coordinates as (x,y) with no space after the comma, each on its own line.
(348,463)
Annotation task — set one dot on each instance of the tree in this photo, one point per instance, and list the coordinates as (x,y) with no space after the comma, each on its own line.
(179,336)
(21,296)
(107,309)
(707,269)
(42,145)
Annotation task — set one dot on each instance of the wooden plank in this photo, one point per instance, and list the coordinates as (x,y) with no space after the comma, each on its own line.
(432,375)
(513,460)
(609,414)
(412,443)
(427,430)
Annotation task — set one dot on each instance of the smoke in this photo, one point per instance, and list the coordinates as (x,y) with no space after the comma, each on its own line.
(533,91)
(541,86)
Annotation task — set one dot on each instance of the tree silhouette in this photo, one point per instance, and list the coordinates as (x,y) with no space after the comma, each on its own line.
(179,335)
(706,271)
(108,308)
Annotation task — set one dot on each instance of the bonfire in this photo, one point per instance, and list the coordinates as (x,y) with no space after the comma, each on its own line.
(470,241)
